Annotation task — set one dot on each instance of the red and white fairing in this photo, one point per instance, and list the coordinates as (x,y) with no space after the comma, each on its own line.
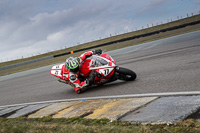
(105,67)
(57,70)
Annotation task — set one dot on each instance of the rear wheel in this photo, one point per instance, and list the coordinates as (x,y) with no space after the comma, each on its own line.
(126,74)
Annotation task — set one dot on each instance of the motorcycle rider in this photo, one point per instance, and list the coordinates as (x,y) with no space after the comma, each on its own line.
(71,71)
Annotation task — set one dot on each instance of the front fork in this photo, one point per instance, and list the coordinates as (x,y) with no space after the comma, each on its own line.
(115,75)
(119,75)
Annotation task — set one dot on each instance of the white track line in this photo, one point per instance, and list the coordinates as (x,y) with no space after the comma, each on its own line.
(166,94)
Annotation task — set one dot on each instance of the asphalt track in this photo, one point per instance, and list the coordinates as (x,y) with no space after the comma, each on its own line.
(167,65)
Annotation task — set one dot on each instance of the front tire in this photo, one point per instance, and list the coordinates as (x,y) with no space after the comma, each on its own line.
(126,74)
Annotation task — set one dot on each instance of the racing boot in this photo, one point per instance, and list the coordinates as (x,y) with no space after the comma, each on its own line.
(91,77)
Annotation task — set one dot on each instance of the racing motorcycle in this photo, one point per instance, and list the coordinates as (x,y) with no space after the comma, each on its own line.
(104,65)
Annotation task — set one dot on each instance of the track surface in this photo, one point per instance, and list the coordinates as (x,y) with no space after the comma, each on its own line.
(167,65)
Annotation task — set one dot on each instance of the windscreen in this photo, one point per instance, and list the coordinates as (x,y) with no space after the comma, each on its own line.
(99,62)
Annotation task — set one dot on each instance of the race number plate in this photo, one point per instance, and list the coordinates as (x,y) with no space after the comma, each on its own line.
(57,70)
(106,71)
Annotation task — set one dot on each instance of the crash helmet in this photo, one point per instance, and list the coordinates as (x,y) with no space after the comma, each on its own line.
(72,64)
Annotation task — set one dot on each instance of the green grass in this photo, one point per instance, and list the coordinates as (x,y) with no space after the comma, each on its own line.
(107,48)
(80,125)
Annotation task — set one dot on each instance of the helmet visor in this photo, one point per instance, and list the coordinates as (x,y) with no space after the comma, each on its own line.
(74,70)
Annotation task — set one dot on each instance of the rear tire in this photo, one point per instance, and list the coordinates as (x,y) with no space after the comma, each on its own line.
(126,74)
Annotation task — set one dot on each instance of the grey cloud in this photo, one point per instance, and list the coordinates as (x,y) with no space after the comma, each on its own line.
(40,26)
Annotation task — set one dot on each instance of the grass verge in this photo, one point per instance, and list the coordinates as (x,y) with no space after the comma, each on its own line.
(80,125)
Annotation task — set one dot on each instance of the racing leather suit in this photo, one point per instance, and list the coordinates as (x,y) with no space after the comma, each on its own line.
(72,78)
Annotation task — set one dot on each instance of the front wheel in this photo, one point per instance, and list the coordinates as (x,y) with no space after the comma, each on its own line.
(126,74)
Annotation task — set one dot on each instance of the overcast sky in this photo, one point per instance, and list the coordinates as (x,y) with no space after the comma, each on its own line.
(29,27)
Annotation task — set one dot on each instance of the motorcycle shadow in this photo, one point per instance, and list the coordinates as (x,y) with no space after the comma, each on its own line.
(104,86)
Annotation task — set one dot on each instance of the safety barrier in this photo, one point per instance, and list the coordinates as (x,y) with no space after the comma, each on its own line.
(25,62)
(131,38)
(104,44)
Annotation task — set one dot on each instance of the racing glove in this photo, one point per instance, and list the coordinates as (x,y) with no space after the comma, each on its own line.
(97,51)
